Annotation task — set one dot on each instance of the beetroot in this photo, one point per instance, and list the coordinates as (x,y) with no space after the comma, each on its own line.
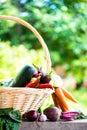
(52,113)
(45,79)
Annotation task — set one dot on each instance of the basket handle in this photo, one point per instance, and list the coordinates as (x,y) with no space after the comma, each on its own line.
(30,27)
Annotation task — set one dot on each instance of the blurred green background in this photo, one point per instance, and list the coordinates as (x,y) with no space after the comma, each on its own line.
(63,26)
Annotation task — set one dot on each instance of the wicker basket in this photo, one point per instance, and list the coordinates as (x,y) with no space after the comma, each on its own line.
(25,99)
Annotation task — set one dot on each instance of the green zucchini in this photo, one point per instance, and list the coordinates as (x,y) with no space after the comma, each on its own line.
(23,77)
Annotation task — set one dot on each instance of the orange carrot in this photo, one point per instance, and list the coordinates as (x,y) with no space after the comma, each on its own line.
(68,95)
(55,100)
(61,98)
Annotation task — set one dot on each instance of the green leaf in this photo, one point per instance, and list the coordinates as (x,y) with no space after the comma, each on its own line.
(15,115)
(9,119)
(5,111)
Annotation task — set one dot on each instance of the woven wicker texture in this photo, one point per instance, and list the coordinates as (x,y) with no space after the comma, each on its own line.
(25,99)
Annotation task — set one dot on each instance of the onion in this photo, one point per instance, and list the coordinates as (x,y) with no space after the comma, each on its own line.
(42,117)
(67,118)
(31,115)
(69,115)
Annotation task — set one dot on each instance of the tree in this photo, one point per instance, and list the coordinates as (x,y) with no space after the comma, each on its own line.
(63,26)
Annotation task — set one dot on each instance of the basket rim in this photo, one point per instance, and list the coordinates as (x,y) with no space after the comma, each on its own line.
(25,90)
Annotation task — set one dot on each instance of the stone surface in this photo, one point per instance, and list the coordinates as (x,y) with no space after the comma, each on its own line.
(59,125)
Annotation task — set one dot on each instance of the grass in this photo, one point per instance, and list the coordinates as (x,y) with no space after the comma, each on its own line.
(80,95)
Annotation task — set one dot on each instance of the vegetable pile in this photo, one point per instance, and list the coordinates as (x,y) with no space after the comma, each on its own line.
(49,114)
(52,113)
(34,77)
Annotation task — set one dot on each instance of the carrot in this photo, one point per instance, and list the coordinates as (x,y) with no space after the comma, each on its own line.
(61,98)
(68,95)
(55,100)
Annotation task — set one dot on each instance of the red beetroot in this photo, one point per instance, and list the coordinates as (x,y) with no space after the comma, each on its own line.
(45,79)
(52,113)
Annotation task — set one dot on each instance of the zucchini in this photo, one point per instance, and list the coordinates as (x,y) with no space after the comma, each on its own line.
(23,77)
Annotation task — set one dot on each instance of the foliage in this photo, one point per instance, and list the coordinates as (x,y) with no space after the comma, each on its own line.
(62,24)
(12,58)
(9,119)
(6,8)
